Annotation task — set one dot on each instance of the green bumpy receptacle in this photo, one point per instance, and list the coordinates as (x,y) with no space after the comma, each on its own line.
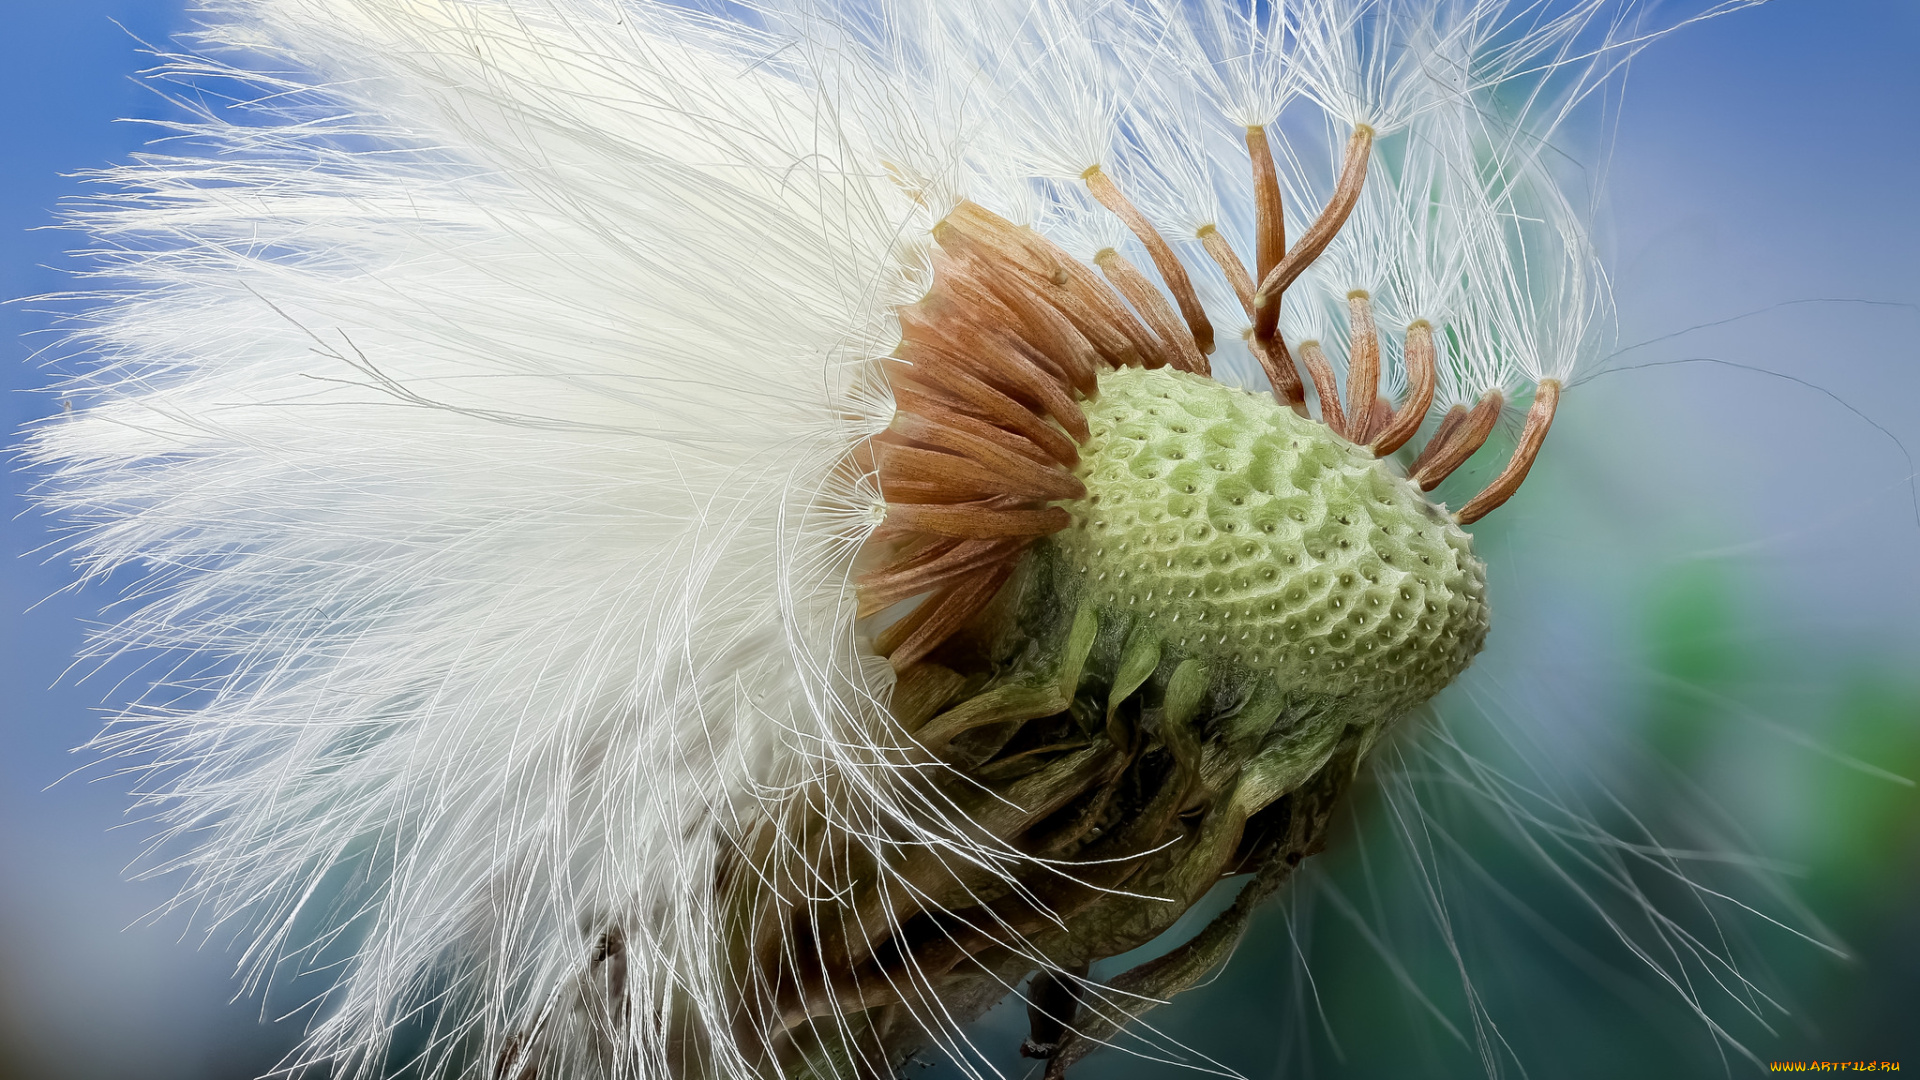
(1236,533)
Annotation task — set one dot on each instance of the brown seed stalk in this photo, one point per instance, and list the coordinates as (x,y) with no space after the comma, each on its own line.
(1363,365)
(1442,434)
(990,355)
(1024,266)
(896,583)
(1270,246)
(1228,261)
(1420,377)
(1324,385)
(1269,212)
(1272,354)
(1040,324)
(1546,399)
(1346,193)
(953,478)
(981,520)
(1460,446)
(938,388)
(1281,372)
(1171,270)
(995,447)
(902,559)
(1382,415)
(943,613)
(1152,307)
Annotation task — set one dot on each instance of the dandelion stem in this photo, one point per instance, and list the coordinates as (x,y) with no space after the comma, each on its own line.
(1420,374)
(1546,399)
(1346,192)
(1169,265)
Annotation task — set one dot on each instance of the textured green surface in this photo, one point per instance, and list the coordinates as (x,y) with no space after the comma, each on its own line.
(1261,543)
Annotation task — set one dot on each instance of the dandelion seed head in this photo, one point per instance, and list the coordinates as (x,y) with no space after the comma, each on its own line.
(562,428)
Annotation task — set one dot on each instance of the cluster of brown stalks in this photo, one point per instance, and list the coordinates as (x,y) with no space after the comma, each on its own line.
(994,360)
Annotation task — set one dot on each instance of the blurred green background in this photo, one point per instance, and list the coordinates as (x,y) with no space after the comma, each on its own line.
(1662,829)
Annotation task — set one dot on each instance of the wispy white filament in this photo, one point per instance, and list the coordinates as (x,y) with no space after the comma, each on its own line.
(473,399)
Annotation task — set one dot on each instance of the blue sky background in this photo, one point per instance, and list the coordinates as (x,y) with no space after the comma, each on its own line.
(1766,162)
(79,997)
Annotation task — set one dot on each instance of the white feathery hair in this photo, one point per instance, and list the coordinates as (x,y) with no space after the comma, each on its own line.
(472,401)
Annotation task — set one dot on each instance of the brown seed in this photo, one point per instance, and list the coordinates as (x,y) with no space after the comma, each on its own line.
(1546,401)
(1346,193)
(1172,272)
(1420,376)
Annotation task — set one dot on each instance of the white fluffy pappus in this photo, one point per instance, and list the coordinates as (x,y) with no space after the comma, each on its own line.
(474,397)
